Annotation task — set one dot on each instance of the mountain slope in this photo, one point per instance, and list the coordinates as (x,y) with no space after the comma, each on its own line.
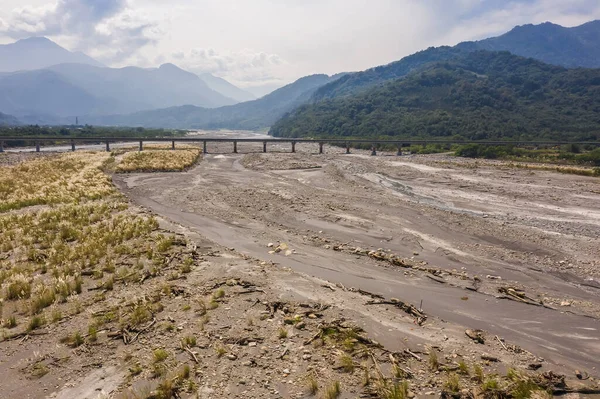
(352,83)
(225,88)
(38,53)
(8,120)
(480,95)
(77,89)
(136,89)
(45,92)
(569,47)
(255,114)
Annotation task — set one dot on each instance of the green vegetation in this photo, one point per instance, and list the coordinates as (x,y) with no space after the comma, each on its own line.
(82,131)
(478,96)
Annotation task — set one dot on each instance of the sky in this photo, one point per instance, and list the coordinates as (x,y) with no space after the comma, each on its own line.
(267,43)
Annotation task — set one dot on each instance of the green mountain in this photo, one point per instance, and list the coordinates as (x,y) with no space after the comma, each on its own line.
(8,120)
(479,95)
(255,114)
(553,44)
(355,82)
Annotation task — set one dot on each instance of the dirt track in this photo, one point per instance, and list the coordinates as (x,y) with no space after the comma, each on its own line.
(535,231)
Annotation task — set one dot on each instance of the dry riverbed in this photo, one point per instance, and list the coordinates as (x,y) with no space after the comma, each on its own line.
(299,275)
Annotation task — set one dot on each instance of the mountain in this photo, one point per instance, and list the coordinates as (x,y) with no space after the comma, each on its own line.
(78,89)
(553,44)
(255,114)
(222,86)
(38,53)
(8,120)
(352,83)
(478,95)
(45,92)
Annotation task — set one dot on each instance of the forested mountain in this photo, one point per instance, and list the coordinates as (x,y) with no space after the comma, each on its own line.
(255,114)
(479,95)
(8,120)
(38,53)
(352,83)
(570,47)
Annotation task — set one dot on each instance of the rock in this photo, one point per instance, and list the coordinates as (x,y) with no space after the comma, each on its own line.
(301,325)
(286,371)
(565,303)
(270,245)
(490,277)
(231,356)
(306,357)
(252,344)
(327,246)
(288,252)
(476,335)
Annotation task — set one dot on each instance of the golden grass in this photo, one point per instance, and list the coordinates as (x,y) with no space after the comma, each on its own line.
(69,178)
(86,237)
(159,160)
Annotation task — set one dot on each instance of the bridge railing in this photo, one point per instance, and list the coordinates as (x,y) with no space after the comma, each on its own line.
(348,143)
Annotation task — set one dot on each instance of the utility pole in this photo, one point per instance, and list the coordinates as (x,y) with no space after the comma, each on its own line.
(76,121)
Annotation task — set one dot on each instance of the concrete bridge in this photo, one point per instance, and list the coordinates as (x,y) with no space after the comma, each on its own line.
(348,144)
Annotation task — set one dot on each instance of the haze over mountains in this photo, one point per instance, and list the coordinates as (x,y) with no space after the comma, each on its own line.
(170,97)
(41,81)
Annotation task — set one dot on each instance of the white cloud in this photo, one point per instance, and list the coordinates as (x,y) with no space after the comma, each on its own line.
(258,41)
(107,29)
(241,67)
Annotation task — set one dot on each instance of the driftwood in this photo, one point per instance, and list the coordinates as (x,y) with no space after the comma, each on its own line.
(188,350)
(410,309)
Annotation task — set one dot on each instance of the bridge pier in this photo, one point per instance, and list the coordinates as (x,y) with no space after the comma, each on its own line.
(107,147)
(73,145)
(373,150)
(264,146)
(347,148)
(37,146)
(293,146)
(204,147)
(173,144)
(320,148)
(234,147)
(141,145)
(1,146)
(399,150)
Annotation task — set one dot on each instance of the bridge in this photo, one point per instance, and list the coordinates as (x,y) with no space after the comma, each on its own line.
(347,143)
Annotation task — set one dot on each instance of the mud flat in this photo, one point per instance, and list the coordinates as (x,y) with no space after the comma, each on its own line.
(484,230)
(296,275)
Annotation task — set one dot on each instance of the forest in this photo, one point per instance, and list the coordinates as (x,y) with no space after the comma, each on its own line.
(478,96)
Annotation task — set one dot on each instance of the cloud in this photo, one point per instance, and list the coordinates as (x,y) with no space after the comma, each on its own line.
(241,67)
(107,29)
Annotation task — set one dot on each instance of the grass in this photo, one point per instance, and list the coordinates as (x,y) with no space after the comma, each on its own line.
(160,355)
(220,350)
(158,160)
(188,342)
(433,361)
(346,363)
(92,333)
(463,368)
(312,384)
(282,333)
(333,391)
(452,384)
(35,323)
(395,391)
(11,322)
(478,374)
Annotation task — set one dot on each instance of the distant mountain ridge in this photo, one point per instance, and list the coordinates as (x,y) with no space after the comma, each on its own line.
(8,120)
(553,44)
(250,115)
(38,53)
(222,86)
